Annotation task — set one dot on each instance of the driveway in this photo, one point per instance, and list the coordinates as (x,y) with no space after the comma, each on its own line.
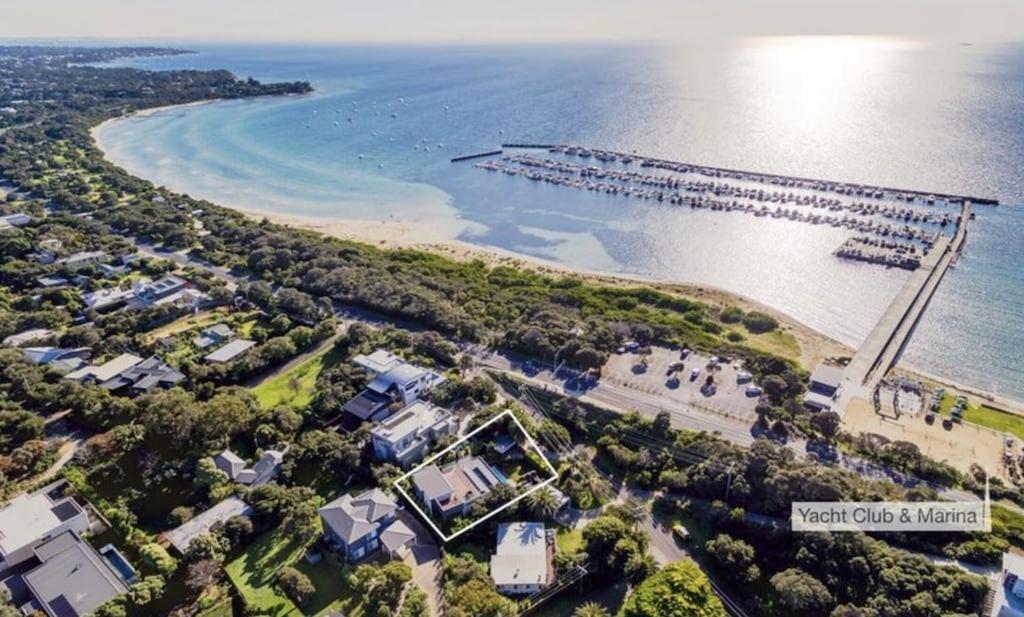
(425,560)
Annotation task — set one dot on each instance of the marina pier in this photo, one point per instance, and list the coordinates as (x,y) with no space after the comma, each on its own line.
(883,345)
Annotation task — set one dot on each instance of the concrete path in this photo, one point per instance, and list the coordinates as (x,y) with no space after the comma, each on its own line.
(425,560)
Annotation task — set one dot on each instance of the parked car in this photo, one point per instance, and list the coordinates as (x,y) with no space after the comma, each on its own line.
(753,390)
(681,533)
(694,374)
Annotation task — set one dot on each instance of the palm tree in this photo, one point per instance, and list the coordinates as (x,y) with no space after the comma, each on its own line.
(542,502)
(591,609)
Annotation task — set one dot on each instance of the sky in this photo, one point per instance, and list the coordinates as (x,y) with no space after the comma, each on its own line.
(497,21)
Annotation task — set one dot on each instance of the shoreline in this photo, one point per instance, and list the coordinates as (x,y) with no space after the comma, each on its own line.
(814,345)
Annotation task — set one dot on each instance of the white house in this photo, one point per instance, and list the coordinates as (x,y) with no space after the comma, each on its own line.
(398,383)
(31,519)
(83,259)
(521,563)
(181,537)
(28,336)
(406,436)
(823,388)
(1009,600)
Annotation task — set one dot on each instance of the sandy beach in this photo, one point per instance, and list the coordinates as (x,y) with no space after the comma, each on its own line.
(440,238)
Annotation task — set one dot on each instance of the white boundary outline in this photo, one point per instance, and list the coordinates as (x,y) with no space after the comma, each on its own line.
(445,538)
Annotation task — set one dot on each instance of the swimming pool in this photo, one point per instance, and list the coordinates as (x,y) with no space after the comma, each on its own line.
(118,562)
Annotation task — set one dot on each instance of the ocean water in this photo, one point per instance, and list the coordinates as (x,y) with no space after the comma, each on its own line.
(374,143)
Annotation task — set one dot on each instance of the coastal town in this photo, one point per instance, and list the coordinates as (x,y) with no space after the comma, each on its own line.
(207,414)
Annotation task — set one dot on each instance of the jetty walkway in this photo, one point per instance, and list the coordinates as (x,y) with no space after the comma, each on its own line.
(883,345)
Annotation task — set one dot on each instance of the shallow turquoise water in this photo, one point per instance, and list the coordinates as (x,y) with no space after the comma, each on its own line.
(884,111)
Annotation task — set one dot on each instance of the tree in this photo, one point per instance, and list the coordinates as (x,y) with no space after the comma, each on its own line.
(202,574)
(478,598)
(208,474)
(381,586)
(827,423)
(145,591)
(662,425)
(237,529)
(735,558)
(679,590)
(295,585)
(800,593)
(207,546)
(414,605)
(157,557)
(591,609)
(542,502)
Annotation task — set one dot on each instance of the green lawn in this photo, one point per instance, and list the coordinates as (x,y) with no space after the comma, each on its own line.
(569,540)
(984,415)
(254,571)
(295,386)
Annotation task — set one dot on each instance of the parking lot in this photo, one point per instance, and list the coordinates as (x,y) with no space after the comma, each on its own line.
(685,384)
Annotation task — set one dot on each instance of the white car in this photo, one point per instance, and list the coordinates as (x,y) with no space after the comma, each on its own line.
(753,390)
(694,374)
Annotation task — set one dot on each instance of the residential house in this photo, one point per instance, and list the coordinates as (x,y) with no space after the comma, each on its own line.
(71,579)
(1009,597)
(28,336)
(52,281)
(82,259)
(398,385)
(131,372)
(32,518)
(106,299)
(17,219)
(451,491)
(265,470)
(405,437)
(824,386)
(357,526)
(63,359)
(217,334)
(230,351)
(380,361)
(170,289)
(181,537)
(522,562)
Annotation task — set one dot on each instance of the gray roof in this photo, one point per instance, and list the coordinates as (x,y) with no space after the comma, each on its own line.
(431,483)
(230,351)
(827,375)
(396,536)
(182,536)
(366,403)
(73,579)
(401,375)
(351,518)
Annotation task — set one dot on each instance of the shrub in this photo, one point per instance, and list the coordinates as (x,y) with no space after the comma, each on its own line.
(157,557)
(295,585)
(758,322)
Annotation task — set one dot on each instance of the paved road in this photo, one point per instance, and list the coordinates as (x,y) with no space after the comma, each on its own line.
(182,258)
(623,398)
(425,560)
(616,397)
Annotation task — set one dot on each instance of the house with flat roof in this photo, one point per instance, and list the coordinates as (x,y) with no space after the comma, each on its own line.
(28,336)
(405,437)
(358,526)
(181,537)
(230,351)
(380,361)
(823,388)
(451,491)
(169,290)
(107,299)
(522,561)
(71,580)
(1009,597)
(30,519)
(400,384)
(265,470)
(82,259)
